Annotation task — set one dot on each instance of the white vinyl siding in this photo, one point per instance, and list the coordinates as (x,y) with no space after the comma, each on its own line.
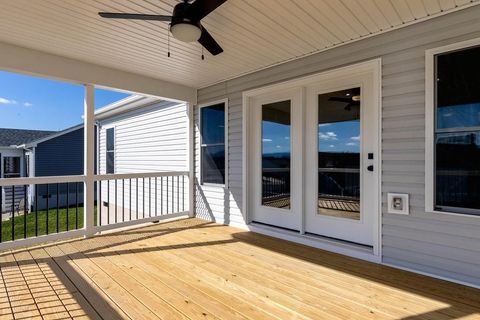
(150,139)
(443,245)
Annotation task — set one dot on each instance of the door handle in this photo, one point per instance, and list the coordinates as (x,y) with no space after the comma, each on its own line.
(370,168)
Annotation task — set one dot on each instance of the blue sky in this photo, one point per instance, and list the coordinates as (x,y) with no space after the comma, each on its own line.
(34,103)
(333,137)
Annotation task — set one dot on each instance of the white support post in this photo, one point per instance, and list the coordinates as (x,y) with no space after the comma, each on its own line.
(89,161)
(191,159)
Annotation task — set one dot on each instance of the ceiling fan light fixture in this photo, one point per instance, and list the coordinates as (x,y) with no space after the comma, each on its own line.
(186,32)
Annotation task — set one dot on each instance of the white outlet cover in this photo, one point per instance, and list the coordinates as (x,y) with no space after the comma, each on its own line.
(406,203)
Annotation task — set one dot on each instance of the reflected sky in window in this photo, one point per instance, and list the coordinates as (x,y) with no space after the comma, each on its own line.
(276,137)
(339,137)
(458,116)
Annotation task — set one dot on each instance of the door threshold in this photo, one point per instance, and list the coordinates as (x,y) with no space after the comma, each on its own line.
(346,248)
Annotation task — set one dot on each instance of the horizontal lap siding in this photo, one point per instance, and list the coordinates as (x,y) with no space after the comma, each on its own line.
(444,245)
(151,139)
(60,156)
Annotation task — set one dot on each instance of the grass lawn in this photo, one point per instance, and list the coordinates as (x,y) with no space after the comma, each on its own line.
(40,219)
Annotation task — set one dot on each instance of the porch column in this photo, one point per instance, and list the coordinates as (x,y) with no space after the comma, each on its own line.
(191,159)
(89,161)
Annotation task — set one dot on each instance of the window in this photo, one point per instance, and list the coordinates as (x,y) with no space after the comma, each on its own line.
(11,167)
(212,130)
(456,132)
(110,156)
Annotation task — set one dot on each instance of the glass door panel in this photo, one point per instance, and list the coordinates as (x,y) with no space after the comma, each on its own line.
(276,154)
(339,154)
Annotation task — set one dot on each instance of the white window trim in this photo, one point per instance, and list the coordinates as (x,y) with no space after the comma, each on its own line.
(209,104)
(114,127)
(430,122)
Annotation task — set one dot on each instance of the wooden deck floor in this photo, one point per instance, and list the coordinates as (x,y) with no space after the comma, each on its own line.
(192,269)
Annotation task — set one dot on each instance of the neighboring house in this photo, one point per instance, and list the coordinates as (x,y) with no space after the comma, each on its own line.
(58,154)
(14,161)
(141,134)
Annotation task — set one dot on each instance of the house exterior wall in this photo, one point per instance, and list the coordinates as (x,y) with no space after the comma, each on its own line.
(150,139)
(60,156)
(439,244)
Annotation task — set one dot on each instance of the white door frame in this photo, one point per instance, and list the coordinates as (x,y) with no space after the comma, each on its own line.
(357,231)
(373,66)
(286,218)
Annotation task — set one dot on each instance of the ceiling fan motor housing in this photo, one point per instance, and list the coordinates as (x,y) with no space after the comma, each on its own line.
(183,27)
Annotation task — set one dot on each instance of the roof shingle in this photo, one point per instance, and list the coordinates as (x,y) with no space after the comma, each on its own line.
(9,137)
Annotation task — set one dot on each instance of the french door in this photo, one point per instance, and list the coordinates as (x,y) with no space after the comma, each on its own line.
(341,159)
(313,157)
(276,162)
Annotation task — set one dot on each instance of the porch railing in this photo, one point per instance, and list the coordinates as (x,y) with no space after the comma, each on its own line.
(41,209)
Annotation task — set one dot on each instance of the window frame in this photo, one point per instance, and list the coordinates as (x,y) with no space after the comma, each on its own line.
(200,145)
(19,167)
(114,149)
(431,128)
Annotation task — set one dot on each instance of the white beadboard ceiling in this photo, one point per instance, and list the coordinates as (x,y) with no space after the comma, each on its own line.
(254,33)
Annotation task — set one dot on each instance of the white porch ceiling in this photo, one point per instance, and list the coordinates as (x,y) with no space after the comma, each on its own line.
(254,33)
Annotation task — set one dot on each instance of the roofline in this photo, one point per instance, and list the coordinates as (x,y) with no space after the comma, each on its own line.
(52,136)
(130,103)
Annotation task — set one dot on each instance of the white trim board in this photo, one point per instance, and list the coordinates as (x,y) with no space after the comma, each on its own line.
(430,121)
(38,63)
(372,66)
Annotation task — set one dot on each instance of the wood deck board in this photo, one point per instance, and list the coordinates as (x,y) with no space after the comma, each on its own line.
(193,269)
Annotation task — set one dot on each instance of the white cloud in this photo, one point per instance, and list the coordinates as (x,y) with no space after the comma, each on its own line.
(27,104)
(7,101)
(266,140)
(355,138)
(278,147)
(332,146)
(327,135)
(324,125)
(351,144)
(287,138)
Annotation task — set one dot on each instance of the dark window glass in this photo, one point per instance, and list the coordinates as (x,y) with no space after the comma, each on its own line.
(457,134)
(213,164)
(458,170)
(110,139)
(11,167)
(212,130)
(276,154)
(110,157)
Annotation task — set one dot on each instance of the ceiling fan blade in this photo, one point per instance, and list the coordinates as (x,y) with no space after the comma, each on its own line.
(134,16)
(207,41)
(201,8)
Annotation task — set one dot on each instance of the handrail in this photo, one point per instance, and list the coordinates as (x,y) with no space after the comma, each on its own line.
(8,182)
(120,176)
(81,178)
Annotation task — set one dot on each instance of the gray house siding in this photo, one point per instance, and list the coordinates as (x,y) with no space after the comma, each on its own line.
(60,156)
(443,245)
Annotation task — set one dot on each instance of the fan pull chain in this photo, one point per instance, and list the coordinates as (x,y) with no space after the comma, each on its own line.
(168,42)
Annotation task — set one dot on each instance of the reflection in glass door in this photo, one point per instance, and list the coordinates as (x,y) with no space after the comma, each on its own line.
(276,149)
(339,154)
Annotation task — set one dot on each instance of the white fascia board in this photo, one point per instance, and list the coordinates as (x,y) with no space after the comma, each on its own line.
(125,105)
(39,63)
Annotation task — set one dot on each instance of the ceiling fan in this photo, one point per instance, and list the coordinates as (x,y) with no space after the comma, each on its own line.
(184,23)
(352,99)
